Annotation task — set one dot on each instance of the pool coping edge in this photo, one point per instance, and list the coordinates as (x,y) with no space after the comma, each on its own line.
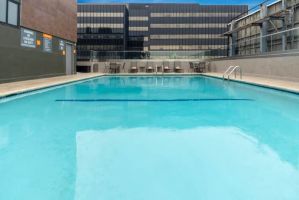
(110,75)
(281,89)
(25,91)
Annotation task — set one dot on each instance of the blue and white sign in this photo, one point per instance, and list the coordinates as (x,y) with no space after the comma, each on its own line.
(28,38)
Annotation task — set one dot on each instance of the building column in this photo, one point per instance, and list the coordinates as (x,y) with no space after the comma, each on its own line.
(232,44)
(263,28)
(232,40)
(284,34)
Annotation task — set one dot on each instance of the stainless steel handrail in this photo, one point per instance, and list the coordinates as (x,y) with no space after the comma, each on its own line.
(233,69)
(227,71)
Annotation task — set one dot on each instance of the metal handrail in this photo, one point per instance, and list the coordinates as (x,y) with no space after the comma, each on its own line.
(235,71)
(228,69)
(232,69)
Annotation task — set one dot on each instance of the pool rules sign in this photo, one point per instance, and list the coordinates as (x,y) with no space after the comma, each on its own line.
(28,38)
(47,40)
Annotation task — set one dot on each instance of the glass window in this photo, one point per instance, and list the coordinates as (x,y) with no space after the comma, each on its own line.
(13,13)
(2,10)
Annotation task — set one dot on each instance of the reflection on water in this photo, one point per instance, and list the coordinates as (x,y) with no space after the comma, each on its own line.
(199,163)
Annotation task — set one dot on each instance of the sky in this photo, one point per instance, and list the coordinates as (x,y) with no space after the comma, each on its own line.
(251,3)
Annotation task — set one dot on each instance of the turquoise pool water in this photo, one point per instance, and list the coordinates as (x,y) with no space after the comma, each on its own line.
(145,138)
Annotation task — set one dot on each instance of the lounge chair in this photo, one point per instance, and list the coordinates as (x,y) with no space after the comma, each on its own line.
(178,67)
(133,68)
(166,67)
(150,67)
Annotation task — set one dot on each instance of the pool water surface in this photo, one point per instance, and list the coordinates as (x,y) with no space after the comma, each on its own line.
(133,138)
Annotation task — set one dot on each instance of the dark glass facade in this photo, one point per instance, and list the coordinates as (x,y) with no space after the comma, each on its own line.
(101,28)
(131,30)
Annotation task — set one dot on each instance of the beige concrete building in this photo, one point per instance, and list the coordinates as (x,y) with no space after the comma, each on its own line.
(268,28)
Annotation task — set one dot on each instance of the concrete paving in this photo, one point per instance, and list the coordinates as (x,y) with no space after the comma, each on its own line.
(7,89)
(290,86)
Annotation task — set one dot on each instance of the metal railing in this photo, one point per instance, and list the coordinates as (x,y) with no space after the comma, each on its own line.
(90,55)
(277,42)
(230,70)
(273,43)
(246,46)
(254,8)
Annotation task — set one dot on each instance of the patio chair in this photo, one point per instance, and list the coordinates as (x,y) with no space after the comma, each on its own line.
(95,67)
(106,68)
(202,67)
(178,67)
(142,68)
(196,67)
(166,67)
(118,65)
(159,67)
(133,68)
(114,68)
(191,67)
(124,67)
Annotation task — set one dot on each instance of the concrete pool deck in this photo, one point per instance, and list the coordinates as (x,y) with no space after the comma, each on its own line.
(290,86)
(7,89)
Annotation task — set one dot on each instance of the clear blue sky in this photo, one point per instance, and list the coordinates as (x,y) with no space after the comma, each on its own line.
(222,2)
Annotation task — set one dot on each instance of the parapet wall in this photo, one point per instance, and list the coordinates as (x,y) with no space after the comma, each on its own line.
(283,67)
(19,63)
(126,65)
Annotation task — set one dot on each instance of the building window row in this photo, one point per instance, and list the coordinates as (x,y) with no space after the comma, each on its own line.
(154,47)
(99,36)
(185,47)
(139,18)
(188,36)
(199,14)
(10,12)
(144,39)
(101,47)
(99,20)
(188,25)
(89,25)
(103,30)
(132,28)
(99,14)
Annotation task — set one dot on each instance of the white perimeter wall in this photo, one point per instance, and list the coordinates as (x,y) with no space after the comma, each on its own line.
(184,64)
(283,67)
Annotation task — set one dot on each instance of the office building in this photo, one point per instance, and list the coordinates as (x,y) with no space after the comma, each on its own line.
(139,30)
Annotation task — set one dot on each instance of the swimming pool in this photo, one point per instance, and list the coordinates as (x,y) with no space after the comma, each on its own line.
(132,138)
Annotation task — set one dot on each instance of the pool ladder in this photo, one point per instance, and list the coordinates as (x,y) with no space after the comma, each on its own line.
(230,71)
